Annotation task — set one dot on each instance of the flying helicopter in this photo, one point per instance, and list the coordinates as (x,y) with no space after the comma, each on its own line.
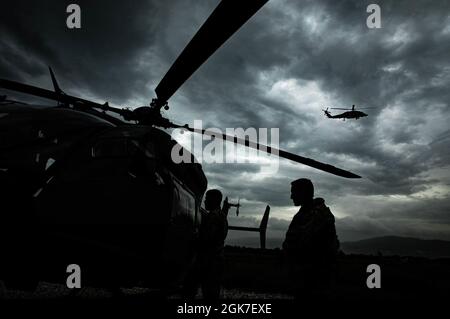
(91,184)
(350,114)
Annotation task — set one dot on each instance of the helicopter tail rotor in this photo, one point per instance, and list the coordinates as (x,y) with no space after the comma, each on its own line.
(327,113)
(261,229)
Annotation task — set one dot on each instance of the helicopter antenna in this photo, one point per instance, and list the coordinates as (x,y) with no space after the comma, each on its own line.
(56,87)
(55,83)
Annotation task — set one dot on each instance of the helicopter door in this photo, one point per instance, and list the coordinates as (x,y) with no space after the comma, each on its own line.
(180,243)
(183,204)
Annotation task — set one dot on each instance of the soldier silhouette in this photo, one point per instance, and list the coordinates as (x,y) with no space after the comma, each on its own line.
(311,243)
(209,267)
(213,231)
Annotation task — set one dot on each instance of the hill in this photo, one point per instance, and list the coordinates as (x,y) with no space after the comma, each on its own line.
(401,246)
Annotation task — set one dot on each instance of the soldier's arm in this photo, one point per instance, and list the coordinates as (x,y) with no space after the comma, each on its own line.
(216,230)
(325,230)
(293,236)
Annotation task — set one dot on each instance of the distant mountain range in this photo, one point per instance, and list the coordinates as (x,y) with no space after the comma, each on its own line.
(402,246)
(387,246)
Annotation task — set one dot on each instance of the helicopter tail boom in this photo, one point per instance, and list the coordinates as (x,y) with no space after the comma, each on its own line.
(261,229)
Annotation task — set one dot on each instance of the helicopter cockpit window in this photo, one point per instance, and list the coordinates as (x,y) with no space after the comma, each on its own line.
(111,147)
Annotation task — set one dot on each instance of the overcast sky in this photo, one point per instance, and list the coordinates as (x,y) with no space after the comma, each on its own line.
(292,59)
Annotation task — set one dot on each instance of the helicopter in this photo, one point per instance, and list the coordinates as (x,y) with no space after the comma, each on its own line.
(350,114)
(87,183)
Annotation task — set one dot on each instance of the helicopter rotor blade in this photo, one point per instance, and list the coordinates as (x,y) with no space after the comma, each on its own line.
(59,96)
(356,108)
(37,91)
(225,20)
(271,150)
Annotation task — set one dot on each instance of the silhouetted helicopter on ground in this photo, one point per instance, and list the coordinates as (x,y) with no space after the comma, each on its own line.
(350,114)
(95,185)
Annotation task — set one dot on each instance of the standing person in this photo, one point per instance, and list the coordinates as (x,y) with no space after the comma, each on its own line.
(311,243)
(209,266)
(213,231)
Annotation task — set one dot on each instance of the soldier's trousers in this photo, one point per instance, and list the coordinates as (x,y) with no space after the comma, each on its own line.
(312,280)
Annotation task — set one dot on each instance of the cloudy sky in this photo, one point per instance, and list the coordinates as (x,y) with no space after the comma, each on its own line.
(292,59)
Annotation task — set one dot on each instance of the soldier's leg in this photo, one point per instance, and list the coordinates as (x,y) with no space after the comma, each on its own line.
(304,280)
(191,282)
(213,278)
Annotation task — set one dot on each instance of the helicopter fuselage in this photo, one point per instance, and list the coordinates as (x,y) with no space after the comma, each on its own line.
(347,115)
(91,190)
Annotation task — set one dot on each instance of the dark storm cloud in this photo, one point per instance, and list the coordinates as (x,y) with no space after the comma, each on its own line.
(350,61)
(292,59)
(101,58)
